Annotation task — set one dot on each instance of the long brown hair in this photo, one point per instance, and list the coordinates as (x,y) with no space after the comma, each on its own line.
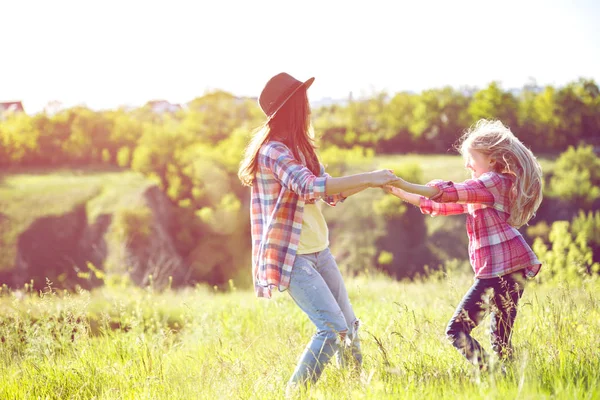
(495,140)
(291,126)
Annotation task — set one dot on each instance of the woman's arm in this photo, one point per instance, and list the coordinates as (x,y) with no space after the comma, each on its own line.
(335,198)
(296,177)
(349,193)
(352,184)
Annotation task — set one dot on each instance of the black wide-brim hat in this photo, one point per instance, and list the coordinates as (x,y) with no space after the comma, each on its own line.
(278,90)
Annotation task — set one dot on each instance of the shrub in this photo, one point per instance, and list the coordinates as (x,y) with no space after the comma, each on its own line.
(568,258)
(576,176)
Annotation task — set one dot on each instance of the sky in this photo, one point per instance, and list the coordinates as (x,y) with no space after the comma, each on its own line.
(105,54)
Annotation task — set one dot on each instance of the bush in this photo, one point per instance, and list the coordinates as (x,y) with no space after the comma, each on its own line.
(576,176)
(133,226)
(405,232)
(338,160)
(568,258)
(589,225)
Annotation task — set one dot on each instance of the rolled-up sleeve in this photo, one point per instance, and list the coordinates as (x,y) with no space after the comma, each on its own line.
(292,174)
(432,208)
(333,199)
(471,191)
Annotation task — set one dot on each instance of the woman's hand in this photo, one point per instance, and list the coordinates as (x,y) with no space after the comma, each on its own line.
(382,177)
(399,183)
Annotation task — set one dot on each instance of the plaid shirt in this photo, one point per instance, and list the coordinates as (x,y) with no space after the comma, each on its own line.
(281,187)
(495,247)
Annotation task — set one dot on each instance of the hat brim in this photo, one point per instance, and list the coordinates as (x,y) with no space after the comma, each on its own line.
(306,84)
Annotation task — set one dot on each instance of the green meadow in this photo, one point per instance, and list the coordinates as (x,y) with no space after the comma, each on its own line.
(125,250)
(204,343)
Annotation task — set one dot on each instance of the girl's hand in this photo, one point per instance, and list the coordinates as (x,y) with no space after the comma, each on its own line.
(382,177)
(395,191)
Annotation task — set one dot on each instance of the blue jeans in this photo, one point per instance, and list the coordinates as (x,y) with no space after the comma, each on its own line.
(317,287)
(498,296)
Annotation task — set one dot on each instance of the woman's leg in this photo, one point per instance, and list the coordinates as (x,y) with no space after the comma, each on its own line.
(506,298)
(311,293)
(330,272)
(468,315)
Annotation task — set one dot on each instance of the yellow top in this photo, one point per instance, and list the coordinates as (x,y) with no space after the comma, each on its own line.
(314,236)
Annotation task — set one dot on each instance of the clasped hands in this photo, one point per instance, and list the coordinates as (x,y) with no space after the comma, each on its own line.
(388,181)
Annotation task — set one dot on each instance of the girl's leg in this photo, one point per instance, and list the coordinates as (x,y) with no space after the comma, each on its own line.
(467,316)
(311,293)
(506,298)
(330,272)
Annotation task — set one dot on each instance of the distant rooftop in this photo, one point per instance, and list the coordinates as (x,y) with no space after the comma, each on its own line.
(11,106)
(163,106)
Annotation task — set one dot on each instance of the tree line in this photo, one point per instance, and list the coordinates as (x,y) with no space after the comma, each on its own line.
(547,119)
(193,155)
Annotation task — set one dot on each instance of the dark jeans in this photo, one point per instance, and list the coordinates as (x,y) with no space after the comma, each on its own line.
(500,297)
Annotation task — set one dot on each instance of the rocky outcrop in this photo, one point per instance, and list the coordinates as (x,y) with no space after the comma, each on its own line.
(61,248)
(156,260)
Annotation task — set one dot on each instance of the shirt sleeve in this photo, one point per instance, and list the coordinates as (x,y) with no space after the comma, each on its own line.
(334,199)
(432,208)
(471,191)
(291,173)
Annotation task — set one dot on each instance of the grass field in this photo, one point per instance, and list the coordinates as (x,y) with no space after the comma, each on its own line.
(126,343)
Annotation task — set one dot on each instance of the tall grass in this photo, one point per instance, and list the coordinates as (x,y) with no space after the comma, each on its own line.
(128,343)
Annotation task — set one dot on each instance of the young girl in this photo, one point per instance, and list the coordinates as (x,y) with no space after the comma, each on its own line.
(504,193)
(290,239)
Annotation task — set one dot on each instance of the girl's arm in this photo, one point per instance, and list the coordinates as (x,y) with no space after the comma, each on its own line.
(427,206)
(471,191)
(411,198)
(333,200)
(422,190)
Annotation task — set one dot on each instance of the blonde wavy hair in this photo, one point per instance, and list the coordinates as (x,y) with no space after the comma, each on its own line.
(495,140)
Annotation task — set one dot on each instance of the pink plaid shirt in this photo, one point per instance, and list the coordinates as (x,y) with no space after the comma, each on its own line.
(495,247)
(281,187)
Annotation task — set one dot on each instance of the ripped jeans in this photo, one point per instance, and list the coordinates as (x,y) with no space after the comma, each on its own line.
(497,296)
(317,287)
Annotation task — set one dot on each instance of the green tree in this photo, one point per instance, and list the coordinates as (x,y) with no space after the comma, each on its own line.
(214,116)
(578,109)
(365,122)
(330,125)
(396,120)
(494,103)
(18,140)
(439,117)
(125,132)
(528,120)
(89,135)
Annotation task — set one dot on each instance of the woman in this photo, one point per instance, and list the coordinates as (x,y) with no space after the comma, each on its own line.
(290,240)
